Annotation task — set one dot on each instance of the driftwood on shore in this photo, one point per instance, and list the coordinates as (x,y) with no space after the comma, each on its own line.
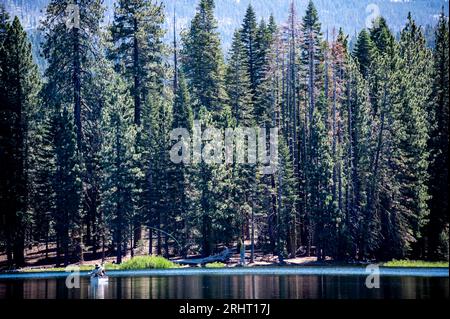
(222,257)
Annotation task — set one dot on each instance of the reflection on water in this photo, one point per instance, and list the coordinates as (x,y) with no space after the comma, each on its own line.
(230,286)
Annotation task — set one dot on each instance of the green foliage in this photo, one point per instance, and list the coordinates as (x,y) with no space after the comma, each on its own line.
(364,52)
(416,263)
(215,265)
(19,89)
(203,60)
(138,50)
(67,184)
(147,262)
(381,36)
(117,154)
(438,228)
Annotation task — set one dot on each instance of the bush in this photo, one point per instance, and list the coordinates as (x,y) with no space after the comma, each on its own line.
(147,262)
(215,265)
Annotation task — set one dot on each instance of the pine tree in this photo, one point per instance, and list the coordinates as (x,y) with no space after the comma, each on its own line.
(319,177)
(161,212)
(67,186)
(4,22)
(267,115)
(238,84)
(202,60)
(138,52)
(42,172)
(20,86)
(438,146)
(117,166)
(415,94)
(359,223)
(238,87)
(364,52)
(181,191)
(383,43)
(249,37)
(73,49)
(381,36)
(312,55)
(265,43)
(336,62)
(138,48)
(380,216)
(5,237)
(287,197)
(204,70)
(399,155)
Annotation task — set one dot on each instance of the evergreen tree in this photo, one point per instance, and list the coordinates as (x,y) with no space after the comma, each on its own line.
(138,52)
(381,36)
(71,47)
(238,87)
(359,223)
(249,37)
(181,191)
(415,92)
(203,67)
(383,43)
(364,52)
(117,153)
(202,60)
(20,86)
(319,176)
(67,186)
(312,56)
(438,227)
(380,216)
(264,44)
(161,215)
(42,172)
(287,197)
(4,21)
(138,48)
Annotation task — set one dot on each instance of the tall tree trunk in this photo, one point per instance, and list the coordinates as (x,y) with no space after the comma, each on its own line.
(132,241)
(103,248)
(58,250)
(46,245)
(150,241)
(119,247)
(76,78)
(66,246)
(137,84)
(159,241)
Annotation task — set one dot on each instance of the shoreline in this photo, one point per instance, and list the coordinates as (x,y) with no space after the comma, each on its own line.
(263,270)
(85,268)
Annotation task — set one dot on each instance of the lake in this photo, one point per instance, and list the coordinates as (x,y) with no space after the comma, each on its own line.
(242,283)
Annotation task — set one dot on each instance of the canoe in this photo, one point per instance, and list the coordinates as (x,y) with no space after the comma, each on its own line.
(99,280)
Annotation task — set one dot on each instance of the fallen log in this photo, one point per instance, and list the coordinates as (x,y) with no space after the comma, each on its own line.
(222,257)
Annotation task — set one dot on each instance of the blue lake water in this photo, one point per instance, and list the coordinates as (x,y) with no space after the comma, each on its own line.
(245,283)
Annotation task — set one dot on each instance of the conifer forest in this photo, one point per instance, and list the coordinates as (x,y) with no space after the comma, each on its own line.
(87,139)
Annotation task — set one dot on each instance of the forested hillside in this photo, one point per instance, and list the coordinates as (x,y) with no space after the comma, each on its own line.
(85,147)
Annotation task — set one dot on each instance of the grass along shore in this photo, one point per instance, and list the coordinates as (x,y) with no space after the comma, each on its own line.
(416,263)
(158,262)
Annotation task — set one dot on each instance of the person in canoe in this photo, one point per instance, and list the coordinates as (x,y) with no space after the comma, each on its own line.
(98,271)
